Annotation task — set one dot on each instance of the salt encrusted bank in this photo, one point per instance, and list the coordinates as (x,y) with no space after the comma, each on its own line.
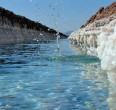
(18,29)
(89,37)
(98,37)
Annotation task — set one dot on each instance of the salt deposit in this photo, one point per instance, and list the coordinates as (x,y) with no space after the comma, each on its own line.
(107,49)
(99,39)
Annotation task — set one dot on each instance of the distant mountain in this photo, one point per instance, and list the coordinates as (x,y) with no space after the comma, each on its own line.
(22,21)
(68,33)
(19,29)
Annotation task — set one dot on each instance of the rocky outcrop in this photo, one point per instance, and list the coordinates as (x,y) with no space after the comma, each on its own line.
(19,29)
(102,13)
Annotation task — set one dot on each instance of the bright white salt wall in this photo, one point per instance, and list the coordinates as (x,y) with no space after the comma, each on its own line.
(107,53)
(107,50)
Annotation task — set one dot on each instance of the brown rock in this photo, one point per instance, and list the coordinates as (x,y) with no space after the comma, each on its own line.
(102,13)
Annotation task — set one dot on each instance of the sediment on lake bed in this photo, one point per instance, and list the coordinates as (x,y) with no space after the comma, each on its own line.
(18,29)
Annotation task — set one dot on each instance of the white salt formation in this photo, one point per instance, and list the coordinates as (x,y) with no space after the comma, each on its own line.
(107,49)
(99,39)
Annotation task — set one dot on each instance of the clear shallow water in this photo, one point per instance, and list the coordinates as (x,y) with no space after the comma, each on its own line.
(35,77)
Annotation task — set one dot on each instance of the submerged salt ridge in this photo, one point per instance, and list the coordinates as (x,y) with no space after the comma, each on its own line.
(99,39)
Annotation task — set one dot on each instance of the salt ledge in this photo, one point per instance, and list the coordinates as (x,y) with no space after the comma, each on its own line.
(98,39)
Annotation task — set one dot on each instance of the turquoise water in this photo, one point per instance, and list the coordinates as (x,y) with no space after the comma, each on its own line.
(37,77)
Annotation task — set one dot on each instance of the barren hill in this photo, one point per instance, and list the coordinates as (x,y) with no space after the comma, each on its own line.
(102,13)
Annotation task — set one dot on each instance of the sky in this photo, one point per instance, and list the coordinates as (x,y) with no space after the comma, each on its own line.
(62,15)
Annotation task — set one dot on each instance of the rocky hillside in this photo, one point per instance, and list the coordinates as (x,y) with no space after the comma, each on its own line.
(19,29)
(102,13)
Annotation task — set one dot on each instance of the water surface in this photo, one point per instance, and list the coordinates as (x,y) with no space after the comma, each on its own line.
(37,77)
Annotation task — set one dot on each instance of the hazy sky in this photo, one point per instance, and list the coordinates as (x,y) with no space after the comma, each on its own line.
(63,15)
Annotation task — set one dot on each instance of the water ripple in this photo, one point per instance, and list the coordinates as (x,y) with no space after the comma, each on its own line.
(34,77)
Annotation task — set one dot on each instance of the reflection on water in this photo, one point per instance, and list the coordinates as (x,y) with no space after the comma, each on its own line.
(103,79)
(34,77)
(112,90)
